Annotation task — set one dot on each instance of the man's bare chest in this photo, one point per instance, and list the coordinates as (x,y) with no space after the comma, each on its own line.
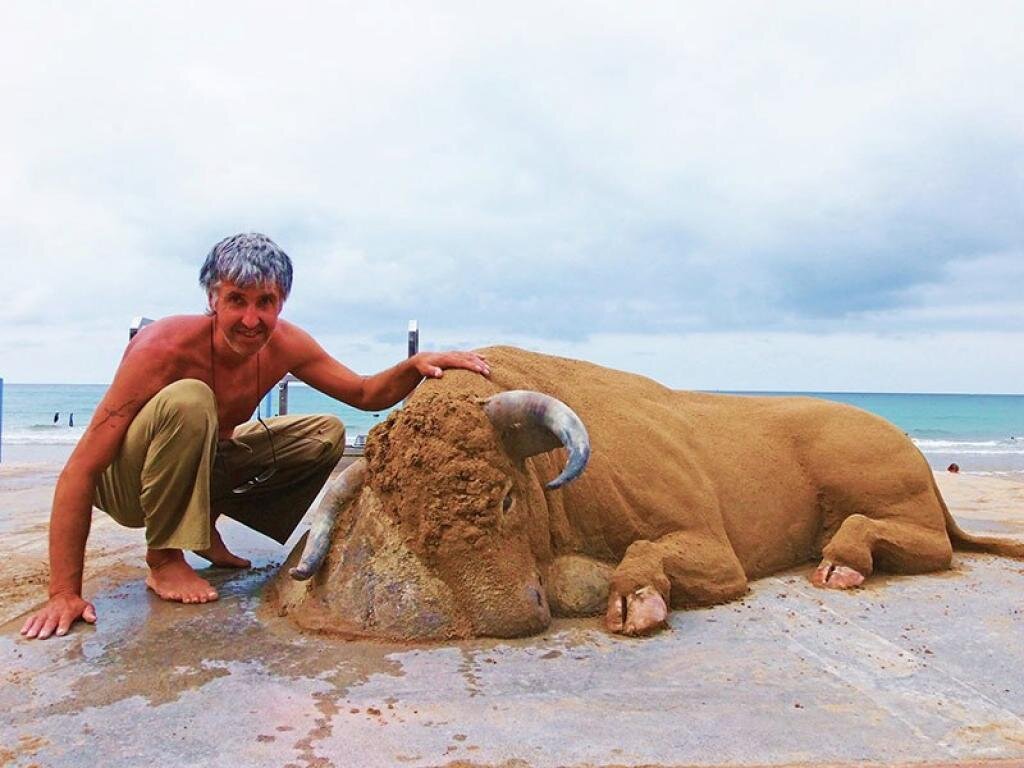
(237,389)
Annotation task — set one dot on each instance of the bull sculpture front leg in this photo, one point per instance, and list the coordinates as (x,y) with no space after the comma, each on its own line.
(679,570)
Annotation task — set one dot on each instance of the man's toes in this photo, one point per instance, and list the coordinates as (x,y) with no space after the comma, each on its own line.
(207,595)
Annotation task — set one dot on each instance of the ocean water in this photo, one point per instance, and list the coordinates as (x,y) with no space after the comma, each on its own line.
(30,431)
(981,433)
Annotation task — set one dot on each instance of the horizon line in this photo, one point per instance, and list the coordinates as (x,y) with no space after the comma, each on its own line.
(716,391)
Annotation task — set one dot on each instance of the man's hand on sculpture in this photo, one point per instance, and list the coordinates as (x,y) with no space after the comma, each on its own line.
(59,613)
(433,364)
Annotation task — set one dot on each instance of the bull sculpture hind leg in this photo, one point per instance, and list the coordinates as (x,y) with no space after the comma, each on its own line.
(884,514)
(900,542)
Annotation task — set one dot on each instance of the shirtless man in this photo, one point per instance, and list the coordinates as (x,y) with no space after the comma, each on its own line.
(167,450)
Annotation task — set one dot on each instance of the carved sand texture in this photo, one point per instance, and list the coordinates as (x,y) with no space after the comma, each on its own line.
(686,494)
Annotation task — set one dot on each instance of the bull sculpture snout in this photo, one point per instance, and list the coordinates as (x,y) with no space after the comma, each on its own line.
(528,423)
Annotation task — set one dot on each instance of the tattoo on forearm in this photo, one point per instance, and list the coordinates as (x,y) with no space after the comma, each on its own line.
(121,412)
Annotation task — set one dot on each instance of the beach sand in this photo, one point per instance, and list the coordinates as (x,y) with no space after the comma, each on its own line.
(918,669)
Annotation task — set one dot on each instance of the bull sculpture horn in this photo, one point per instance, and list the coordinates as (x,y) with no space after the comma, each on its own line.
(338,494)
(532,422)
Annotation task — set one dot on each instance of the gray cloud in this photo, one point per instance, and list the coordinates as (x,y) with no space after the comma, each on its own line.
(542,173)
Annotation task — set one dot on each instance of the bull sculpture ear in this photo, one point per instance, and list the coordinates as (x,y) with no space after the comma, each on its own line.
(345,488)
(531,422)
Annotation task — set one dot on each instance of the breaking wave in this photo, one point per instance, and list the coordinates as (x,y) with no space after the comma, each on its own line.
(43,434)
(973,447)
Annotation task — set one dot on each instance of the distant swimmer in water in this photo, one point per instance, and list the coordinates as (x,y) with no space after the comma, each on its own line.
(56,416)
(71,420)
(954,468)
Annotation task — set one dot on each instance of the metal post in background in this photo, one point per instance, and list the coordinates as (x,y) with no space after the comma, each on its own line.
(282,394)
(282,397)
(414,337)
(138,323)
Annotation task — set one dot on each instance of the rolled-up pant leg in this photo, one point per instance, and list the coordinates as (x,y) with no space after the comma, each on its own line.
(160,479)
(307,449)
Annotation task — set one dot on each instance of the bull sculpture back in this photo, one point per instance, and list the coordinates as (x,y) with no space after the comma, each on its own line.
(559,487)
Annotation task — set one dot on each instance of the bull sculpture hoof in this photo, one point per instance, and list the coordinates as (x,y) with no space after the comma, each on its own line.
(828,575)
(640,612)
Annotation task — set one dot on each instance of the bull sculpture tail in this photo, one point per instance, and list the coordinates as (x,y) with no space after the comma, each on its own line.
(968,542)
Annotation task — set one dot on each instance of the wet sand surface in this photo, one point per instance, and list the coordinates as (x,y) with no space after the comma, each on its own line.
(923,669)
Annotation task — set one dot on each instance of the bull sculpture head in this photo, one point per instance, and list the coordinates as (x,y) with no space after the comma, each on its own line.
(442,529)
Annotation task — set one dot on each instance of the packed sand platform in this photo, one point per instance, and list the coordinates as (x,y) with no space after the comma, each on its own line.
(917,669)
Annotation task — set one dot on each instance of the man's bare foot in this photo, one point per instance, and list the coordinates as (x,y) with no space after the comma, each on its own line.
(173,579)
(220,555)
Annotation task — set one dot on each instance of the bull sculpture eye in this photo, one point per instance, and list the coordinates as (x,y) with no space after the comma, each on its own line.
(506,503)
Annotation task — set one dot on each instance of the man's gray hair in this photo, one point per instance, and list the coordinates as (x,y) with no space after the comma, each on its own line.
(247,259)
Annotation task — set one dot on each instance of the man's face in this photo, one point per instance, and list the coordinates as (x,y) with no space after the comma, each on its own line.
(246,316)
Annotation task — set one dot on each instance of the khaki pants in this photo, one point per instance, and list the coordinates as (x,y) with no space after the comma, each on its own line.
(173,478)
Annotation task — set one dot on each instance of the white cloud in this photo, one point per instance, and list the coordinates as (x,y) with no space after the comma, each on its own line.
(795,169)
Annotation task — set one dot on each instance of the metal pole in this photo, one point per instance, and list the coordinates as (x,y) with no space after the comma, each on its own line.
(138,323)
(282,397)
(414,337)
(282,394)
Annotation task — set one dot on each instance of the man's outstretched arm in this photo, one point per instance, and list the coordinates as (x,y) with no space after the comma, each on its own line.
(389,387)
(382,390)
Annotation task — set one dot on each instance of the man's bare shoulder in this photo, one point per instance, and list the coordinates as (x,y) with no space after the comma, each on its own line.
(292,347)
(289,331)
(173,348)
(289,339)
(170,335)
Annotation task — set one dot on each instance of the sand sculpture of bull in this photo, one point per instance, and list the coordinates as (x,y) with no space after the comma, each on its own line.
(472,515)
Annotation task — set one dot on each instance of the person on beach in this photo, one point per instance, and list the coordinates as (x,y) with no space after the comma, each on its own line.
(167,449)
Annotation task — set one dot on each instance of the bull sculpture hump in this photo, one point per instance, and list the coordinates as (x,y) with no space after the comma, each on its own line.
(558,487)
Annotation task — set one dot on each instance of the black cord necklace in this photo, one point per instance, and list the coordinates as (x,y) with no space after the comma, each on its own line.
(213,366)
(269,472)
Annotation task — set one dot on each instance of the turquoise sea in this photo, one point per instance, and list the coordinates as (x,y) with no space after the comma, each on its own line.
(981,433)
(42,422)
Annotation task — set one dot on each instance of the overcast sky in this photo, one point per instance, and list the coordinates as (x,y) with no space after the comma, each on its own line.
(786,195)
